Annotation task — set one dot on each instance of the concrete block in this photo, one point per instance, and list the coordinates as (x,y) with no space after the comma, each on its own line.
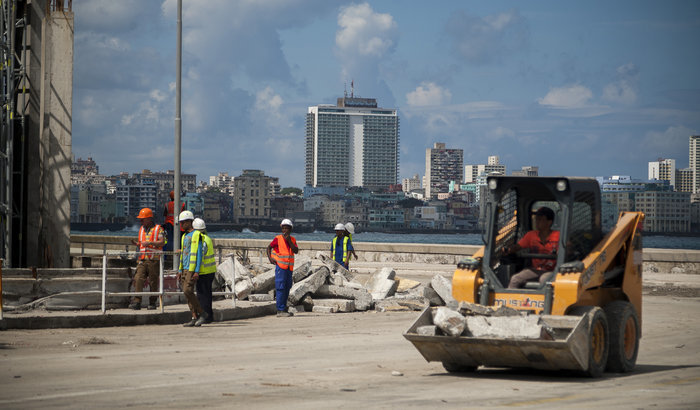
(428,330)
(390,306)
(336,279)
(422,291)
(323,309)
(243,288)
(382,284)
(362,298)
(302,270)
(260,297)
(449,321)
(522,327)
(470,309)
(308,285)
(340,305)
(264,281)
(225,273)
(443,287)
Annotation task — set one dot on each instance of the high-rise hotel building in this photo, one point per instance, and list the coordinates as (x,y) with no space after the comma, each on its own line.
(353,143)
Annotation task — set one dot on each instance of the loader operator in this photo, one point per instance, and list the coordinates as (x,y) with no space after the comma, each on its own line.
(542,240)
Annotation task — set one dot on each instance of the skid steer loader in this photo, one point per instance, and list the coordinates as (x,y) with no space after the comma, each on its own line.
(589,306)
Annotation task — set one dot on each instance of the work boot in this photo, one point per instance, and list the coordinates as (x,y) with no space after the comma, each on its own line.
(152,306)
(135,306)
(190,323)
(202,319)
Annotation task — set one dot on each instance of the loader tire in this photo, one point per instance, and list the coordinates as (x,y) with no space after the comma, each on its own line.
(598,339)
(458,368)
(624,336)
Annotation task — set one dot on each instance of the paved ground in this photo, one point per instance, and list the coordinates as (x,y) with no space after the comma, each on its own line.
(323,361)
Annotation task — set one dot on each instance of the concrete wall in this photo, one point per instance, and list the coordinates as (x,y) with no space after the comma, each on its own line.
(49,137)
(655,260)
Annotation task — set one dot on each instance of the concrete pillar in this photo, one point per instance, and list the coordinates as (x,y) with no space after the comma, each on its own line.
(49,137)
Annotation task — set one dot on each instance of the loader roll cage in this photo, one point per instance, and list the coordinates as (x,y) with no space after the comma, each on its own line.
(510,203)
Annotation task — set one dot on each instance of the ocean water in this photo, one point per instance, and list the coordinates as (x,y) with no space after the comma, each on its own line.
(666,242)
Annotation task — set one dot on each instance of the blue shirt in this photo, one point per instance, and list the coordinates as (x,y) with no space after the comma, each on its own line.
(185,256)
(338,256)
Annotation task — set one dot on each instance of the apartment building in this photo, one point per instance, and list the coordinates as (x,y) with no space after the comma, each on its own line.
(442,165)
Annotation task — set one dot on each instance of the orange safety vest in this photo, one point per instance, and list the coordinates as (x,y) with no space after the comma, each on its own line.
(284,255)
(149,252)
(170,216)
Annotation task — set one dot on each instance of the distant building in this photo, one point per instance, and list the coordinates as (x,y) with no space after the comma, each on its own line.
(252,193)
(409,184)
(222,181)
(166,180)
(442,165)
(136,196)
(526,171)
(694,161)
(664,211)
(472,172)
(684,180)
(663,170)
(353,143)
(387,218)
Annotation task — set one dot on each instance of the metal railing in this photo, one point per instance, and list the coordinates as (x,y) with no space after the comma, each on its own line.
(161,274)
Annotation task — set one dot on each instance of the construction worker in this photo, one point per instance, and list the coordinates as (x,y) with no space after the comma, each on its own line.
(150,242)
(349,232)
(191,259)
(208,268)
(341,246)
(280,252)
(169,224)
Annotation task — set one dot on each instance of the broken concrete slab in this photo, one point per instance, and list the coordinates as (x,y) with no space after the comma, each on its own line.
(323,309)
(423,291)
(450,322)
(340,305)
(382,284)
(264,281)
(260,297)
(243,288)
(336,279)
(443,287)
(308,285)
(406,284)
(522,327)
(334,266)
(410,303)
(302,269)
(362,298)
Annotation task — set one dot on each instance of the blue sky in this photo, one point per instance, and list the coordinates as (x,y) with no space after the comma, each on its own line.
(577,88)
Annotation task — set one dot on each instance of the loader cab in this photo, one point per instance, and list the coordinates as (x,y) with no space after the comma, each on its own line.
(510,204)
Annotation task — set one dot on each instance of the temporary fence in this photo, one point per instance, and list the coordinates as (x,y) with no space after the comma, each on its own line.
(161,275)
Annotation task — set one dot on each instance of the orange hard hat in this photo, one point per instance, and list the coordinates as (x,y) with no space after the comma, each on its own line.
(172,194)
(145,213)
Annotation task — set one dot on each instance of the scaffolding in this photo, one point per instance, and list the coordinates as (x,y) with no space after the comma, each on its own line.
(14,80)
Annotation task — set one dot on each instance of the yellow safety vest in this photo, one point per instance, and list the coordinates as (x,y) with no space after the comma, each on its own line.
(345,248)
(208,264)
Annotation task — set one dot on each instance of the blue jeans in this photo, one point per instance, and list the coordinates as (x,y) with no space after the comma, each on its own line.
(283,283)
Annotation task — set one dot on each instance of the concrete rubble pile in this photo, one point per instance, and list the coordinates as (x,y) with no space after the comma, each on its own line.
(324,286)
(478,321)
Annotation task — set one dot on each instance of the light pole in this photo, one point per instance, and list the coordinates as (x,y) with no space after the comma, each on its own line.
(178,136)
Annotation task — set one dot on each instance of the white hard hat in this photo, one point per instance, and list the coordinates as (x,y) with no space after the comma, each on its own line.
(199,224)
(350,228)
(185,216)
(339,227)
(287,222)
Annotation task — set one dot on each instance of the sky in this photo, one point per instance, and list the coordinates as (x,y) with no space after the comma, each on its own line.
(593,88)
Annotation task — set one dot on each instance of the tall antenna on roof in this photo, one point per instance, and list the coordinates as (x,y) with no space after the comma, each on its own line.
(352,89)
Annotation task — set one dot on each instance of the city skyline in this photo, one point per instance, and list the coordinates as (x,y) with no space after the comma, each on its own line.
(576,89)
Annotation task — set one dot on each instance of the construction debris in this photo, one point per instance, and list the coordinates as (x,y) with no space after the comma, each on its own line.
(322,285)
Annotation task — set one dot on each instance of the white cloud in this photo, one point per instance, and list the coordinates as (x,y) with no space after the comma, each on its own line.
(574,96)
(428,93)
(670,143)
(267,100)
(364,32)
(624,89)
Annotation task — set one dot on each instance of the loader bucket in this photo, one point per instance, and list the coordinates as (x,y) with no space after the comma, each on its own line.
(569,348)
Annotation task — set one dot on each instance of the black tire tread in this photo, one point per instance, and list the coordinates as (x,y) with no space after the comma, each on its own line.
(617,313)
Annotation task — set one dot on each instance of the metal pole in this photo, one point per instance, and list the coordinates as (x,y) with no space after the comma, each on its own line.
(178,134)
(160,297)
(104,283)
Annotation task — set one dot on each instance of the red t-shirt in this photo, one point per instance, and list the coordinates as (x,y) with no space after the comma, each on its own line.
(532,243)
(274,245)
